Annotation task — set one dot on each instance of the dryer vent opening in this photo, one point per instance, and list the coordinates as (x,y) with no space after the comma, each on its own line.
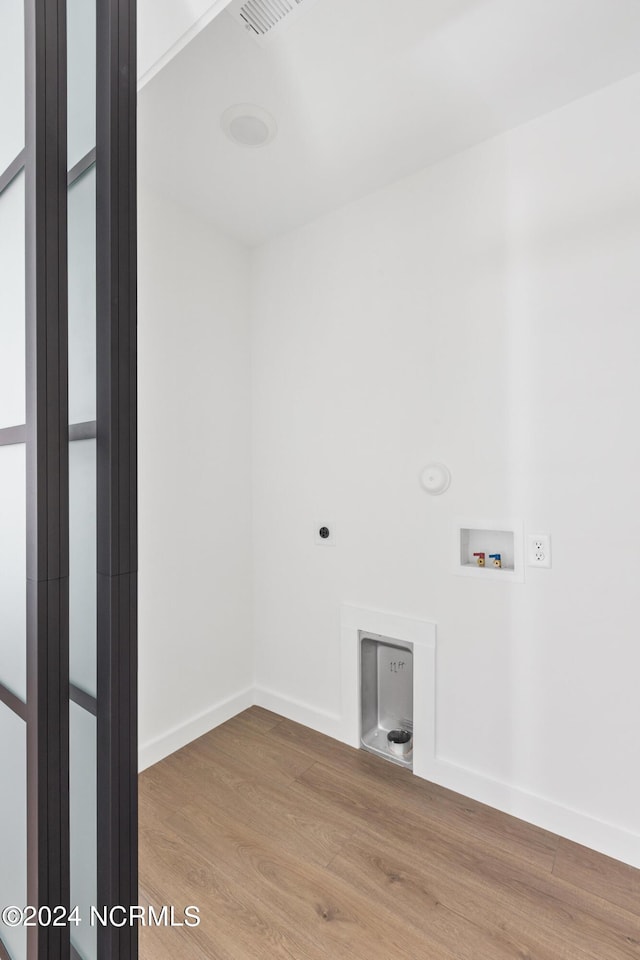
(386,697)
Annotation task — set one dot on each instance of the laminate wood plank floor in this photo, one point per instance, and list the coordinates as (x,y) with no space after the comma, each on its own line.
(296,846)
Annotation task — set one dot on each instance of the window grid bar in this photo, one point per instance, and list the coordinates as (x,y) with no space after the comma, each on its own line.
(15,704)
(81,167)
(87,430)
(12,171)
(83,699)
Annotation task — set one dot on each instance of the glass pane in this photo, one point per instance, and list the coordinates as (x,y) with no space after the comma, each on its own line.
(82,299)
(12,310)
(82,564)
(13,572)
(11,81)
(81,78)
(13,826)
(83,812)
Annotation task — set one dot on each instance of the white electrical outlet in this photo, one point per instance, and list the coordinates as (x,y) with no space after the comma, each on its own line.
(539,550)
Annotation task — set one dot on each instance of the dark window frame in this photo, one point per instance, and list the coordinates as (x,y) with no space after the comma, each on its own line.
(47,435)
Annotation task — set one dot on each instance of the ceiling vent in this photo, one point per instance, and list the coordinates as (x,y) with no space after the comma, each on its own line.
(264,19)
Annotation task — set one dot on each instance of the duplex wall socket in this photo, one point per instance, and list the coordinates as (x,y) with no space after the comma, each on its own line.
(539,550)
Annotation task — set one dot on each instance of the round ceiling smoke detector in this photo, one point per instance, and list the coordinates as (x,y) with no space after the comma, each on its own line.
(249,125)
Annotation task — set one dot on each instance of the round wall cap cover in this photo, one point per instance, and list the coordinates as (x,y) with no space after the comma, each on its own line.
(435,478)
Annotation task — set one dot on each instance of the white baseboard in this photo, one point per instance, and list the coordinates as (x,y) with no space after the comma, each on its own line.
(324,722)
(572,824)
(567,822)
(159,748)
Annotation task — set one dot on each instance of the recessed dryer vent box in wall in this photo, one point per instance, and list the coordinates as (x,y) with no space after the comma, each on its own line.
(386,697)
(493,538)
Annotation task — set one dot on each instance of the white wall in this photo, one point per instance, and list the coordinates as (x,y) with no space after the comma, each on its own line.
(484,313)
(194,398)
(166,26)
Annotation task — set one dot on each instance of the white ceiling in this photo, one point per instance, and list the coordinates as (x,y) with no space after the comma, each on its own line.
(365,92)
(165,27)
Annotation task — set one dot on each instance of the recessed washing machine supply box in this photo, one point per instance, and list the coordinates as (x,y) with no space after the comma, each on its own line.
(502,537)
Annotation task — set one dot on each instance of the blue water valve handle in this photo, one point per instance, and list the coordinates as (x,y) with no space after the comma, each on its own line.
(497,559)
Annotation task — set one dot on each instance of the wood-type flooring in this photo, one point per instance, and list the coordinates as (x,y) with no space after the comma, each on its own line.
(295,846)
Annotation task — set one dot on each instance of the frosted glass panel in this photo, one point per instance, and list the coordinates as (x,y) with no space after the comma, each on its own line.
(81,78)
(82,564)
(82,299)
(11,80)
(12,310)
(84,840)
(13,825)
(13,574)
